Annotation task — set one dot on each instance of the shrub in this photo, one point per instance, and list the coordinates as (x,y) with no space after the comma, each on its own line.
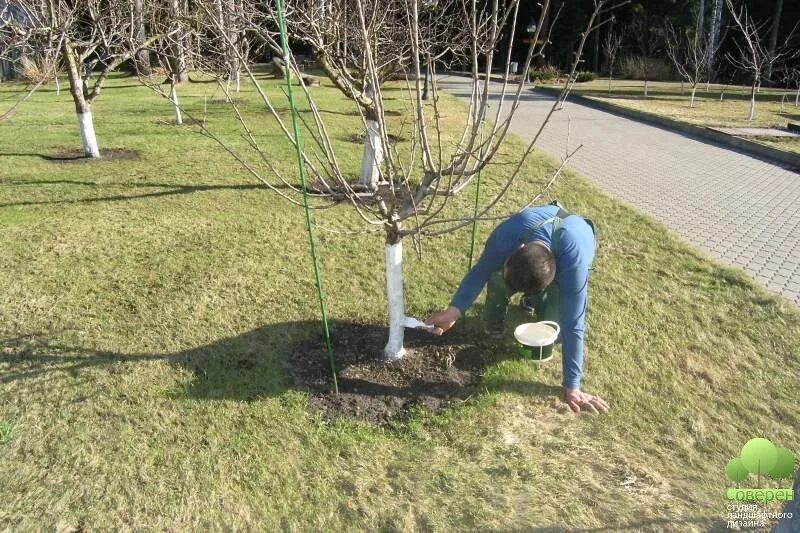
(634,68)
(583,77)
(543,74)
(34,72)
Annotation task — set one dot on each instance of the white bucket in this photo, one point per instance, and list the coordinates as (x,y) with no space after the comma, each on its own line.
(533,337)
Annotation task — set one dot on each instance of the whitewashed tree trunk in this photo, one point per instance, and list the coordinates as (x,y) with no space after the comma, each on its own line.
(373,156)
(645,87)
(713,41)
(394,294)
(58,86)
(752,113)
(694,90)
(797,97)
(176,105)
(88,136)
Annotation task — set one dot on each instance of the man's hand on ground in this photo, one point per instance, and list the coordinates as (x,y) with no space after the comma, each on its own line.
(443,320)
(580,401)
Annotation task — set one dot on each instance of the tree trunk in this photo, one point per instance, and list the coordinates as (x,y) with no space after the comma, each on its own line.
(610,77)
(752,114)
(797,97)
(394,294)
(716,22)
(773,36)
(373,147)
(142,56)
(645,87)
(176,105)
(694,90)
(701,18)
(83,109)
(373,156)
(86,125)
(177,57)
(58,86)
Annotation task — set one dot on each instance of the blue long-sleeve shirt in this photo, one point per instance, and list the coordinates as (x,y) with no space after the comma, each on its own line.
(574,255)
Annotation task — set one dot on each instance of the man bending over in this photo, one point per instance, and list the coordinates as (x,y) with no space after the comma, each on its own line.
(545,253)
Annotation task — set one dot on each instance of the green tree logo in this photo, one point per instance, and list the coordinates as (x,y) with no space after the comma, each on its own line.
(762,458)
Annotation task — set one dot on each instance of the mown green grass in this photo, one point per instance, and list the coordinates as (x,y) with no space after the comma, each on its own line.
(666,99)
(147,305)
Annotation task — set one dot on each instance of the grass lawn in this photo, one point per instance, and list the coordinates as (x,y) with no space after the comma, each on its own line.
(665,99)
(147,304)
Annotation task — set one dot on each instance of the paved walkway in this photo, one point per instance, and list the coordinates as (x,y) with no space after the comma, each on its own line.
(743,211)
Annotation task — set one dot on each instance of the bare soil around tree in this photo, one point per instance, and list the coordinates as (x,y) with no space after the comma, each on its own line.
(436,373)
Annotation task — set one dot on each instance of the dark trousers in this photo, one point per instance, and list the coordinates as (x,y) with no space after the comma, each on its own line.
(545,304)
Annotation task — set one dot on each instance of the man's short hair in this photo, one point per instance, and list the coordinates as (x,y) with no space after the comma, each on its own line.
(530,269)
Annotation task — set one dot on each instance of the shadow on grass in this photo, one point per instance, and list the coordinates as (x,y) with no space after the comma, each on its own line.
(172,189)
(244,367)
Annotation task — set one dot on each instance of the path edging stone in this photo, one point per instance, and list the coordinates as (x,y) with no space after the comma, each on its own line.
(755,149)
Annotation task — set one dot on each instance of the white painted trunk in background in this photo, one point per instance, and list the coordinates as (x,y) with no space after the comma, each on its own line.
(58,87)
(177,106)
(373,156)
(397,308)
(87,134)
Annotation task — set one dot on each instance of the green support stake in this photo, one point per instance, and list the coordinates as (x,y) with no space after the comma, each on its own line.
(301,166)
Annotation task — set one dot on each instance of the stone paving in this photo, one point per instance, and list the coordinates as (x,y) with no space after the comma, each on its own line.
(743,211)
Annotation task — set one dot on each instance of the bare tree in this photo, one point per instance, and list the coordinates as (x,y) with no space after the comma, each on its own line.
(417,185)
(688,51)
(648,42)
(83,35)
(753,54)
(612,45)
(342,34)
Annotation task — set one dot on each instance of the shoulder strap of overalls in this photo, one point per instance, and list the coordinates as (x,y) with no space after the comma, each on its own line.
(557,222)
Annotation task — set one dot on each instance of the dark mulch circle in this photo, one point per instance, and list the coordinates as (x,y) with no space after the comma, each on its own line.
(436,373)
(76,155)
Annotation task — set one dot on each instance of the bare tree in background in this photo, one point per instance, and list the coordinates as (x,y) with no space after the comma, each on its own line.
(791,75)
(688,51)
(753,55)
(648,42)
(35,59)
(416,188)
(81,34)
(177,27)
(612,45)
